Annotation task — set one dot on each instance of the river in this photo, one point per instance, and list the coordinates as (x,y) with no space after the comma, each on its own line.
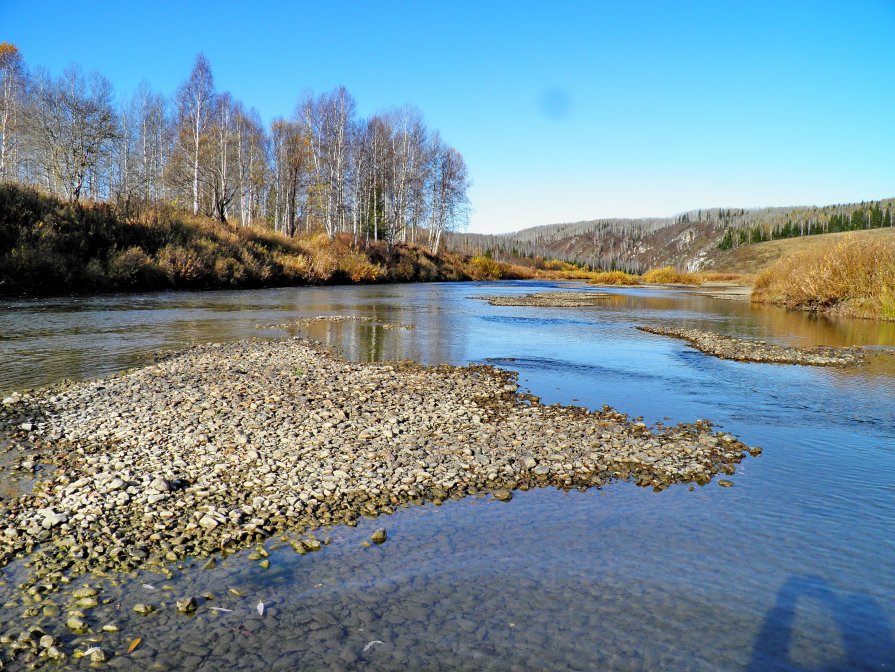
(793,568)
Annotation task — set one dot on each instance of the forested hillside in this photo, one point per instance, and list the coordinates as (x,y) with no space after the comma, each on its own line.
(694,240)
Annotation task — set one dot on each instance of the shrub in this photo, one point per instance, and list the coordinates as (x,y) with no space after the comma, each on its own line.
(358,267)
(229,271)
(614,278)
(293,266)
(482,268)
(131,268)
(557,265)
(668,275)
(182,265)
(404,270)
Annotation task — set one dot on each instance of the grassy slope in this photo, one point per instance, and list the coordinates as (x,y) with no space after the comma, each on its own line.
(850,275)
(760,256)
(48,246)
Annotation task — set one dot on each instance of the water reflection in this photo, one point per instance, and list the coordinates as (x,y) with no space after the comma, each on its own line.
(46,340)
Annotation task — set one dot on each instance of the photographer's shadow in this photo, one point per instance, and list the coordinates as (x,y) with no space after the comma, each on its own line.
(864,629)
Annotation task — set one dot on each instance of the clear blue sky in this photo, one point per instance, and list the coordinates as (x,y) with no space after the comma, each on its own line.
(563,111)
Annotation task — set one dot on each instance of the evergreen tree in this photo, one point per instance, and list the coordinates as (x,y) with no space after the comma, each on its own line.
(876,217)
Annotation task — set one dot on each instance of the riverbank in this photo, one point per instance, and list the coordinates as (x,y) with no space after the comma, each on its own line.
(52,247)
(851,277)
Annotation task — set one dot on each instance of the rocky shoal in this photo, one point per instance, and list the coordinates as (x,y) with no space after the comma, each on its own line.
(221,446)
(745,350)
(549,299)
(318,319)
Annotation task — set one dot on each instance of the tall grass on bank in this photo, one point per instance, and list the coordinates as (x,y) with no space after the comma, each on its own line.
(614,278)
(48,246)
(854,278)
(668,275)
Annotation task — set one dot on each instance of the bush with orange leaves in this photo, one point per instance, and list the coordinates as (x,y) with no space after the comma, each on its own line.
(614,278)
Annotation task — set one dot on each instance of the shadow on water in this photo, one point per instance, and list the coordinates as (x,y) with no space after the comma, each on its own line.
(860,625)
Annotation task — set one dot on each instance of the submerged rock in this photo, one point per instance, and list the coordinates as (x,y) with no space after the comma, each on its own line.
(76,624)
(187,605)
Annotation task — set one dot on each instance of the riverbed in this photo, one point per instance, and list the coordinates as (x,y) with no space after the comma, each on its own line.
(792,568)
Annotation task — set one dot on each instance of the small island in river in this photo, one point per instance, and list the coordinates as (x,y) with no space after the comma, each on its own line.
(746,350)
(149,468)
(549,299)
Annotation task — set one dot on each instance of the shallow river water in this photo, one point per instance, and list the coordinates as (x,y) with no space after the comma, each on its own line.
(791,569)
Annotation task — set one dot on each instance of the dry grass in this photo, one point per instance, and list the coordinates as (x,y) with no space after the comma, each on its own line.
(757,257)
(854,277)
(483,268)
(737,278)
(668,275)
(614,278)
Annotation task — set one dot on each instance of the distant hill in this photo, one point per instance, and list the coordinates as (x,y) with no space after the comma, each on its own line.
(758,256)
(695,240)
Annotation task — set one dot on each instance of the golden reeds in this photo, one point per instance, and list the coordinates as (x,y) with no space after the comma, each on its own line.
(853,277)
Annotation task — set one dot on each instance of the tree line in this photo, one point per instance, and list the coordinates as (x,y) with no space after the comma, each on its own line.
(323,168)
(865,216)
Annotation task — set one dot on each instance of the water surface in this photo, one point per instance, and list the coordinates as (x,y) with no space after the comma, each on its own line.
(791,569)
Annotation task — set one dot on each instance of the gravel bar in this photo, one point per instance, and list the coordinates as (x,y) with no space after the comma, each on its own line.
(221,446)
(745,350)
(549,299)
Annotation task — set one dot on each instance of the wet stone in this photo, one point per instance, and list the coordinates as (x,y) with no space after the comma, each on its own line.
(76,624)
(187,605)
(503,495)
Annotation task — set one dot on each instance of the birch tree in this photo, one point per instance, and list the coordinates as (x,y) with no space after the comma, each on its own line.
(222,174)
(11,80)
(152,142)
(194,99)
(449,181)
(328,121)
(73,121)
(291,150)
